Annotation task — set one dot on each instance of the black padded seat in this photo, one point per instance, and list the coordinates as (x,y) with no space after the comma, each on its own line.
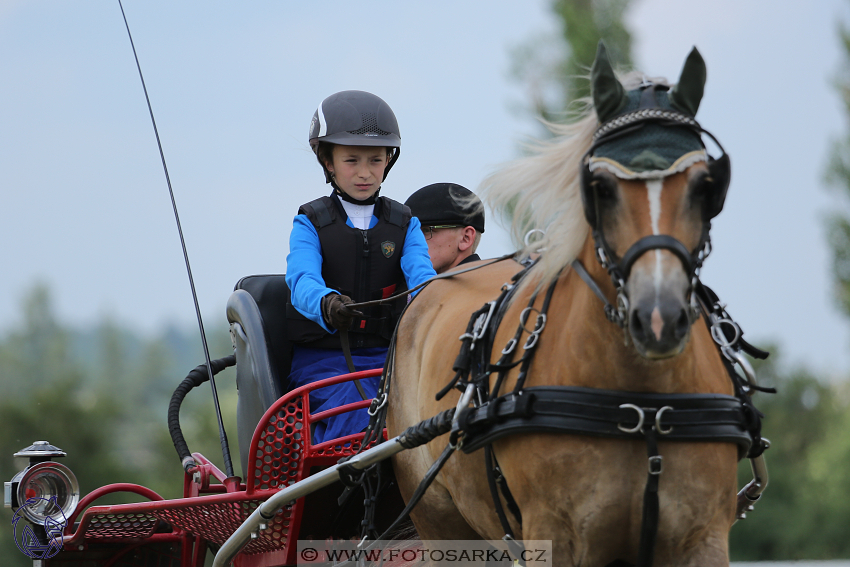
(256,311)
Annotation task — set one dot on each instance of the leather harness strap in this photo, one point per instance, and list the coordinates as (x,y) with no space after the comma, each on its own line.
(606,413)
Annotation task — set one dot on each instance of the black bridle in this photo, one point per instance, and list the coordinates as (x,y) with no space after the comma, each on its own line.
(619,268)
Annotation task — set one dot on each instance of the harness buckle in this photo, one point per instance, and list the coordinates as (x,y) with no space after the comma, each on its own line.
(655,465)
(509,348)
(481,323)
(736,357)
(602,256)
(516,549)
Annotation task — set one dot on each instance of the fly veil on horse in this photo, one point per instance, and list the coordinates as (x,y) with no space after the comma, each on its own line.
(617,442)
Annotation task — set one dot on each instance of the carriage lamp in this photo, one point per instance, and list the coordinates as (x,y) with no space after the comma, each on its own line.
(50,487)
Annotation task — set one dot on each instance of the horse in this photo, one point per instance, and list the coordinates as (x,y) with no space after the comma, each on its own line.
(592,204)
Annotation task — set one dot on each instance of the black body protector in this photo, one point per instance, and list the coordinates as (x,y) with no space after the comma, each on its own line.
(363,264)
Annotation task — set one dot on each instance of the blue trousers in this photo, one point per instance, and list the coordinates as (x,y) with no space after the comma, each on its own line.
(312,364)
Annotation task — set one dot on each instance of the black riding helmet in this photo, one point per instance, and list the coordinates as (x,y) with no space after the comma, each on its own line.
(355,118)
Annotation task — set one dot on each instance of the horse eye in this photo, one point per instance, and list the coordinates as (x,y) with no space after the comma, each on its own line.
(702,185)
(604,187)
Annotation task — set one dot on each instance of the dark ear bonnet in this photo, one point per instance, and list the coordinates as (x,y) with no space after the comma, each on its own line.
(612,104)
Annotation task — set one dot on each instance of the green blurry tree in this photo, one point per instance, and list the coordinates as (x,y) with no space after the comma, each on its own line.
(47,400)
(553,68)
(102,397)
(806,509)
(838,176)
(802,514)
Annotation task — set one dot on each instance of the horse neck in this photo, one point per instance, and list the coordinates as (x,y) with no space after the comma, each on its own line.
(599,356)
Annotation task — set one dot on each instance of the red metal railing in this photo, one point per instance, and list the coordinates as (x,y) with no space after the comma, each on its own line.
(281,453)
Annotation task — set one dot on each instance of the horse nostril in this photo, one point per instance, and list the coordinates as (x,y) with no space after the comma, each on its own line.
(683,324)
(636,326)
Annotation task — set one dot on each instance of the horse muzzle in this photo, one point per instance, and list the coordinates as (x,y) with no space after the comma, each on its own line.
(659,312)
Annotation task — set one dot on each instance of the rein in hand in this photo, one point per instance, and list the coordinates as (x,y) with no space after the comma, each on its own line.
(423,284)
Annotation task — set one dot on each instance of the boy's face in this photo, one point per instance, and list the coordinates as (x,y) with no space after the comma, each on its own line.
(358,170)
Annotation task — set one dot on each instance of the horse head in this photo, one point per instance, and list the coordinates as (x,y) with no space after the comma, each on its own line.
(650,190)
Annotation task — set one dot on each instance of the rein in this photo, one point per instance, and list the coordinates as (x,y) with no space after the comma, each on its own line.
(343,333)
(404,294)
(377,411)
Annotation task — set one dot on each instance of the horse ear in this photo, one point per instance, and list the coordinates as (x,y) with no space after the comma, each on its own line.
(687,95)
(609,96)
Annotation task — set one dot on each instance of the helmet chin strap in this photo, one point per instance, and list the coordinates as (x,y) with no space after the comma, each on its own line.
(346,197)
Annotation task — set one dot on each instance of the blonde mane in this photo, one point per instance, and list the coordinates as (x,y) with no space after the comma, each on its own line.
(542,191)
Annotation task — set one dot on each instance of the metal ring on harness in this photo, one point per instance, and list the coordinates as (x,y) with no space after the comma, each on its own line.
(531,341)
(737,357)
(641,416)
(720,337)
(381,403)
(539,324)
(527,238)
(658,415)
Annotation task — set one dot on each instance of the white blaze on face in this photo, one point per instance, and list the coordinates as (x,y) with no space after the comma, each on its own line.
(653,192)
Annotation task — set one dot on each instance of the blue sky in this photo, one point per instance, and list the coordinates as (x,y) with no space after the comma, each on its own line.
(234,85)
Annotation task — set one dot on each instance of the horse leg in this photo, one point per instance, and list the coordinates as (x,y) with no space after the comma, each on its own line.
(562,504)
(697,505)
(435,516)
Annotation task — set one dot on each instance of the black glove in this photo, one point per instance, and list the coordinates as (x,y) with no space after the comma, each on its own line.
(336,311)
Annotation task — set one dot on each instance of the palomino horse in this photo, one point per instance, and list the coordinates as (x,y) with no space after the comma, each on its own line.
(652,183)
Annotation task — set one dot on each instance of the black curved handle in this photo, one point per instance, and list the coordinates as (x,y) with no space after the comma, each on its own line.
(195,378)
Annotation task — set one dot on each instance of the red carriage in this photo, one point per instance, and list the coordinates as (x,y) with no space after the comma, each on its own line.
(277,452)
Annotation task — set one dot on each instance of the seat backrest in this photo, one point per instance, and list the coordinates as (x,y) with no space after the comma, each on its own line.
(271,294)
(257,314)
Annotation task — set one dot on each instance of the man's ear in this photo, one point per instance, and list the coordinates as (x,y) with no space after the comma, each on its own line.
(467,239)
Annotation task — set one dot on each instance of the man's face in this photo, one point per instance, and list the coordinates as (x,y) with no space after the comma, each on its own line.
(443,247)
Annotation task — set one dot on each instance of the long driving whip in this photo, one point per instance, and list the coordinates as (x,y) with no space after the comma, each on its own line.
(225,449)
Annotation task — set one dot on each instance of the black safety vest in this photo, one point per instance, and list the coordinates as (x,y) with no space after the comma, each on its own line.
(362,264)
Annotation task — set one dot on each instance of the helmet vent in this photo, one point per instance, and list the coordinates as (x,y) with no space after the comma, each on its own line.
(370,125)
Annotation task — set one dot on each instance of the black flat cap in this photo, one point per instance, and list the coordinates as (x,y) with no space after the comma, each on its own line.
(447,203)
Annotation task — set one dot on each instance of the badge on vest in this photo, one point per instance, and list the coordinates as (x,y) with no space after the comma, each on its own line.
(387,248)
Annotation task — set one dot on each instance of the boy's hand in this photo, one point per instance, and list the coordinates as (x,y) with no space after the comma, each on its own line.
(336,311)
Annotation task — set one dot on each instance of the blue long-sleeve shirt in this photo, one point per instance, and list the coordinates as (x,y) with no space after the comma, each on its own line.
(304,265)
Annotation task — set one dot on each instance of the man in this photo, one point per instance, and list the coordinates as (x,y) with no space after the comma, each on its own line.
(452,219)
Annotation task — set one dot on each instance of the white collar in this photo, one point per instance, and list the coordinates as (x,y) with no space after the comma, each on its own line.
(360,215)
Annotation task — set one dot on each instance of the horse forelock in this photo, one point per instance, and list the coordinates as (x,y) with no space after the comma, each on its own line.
(542,190)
